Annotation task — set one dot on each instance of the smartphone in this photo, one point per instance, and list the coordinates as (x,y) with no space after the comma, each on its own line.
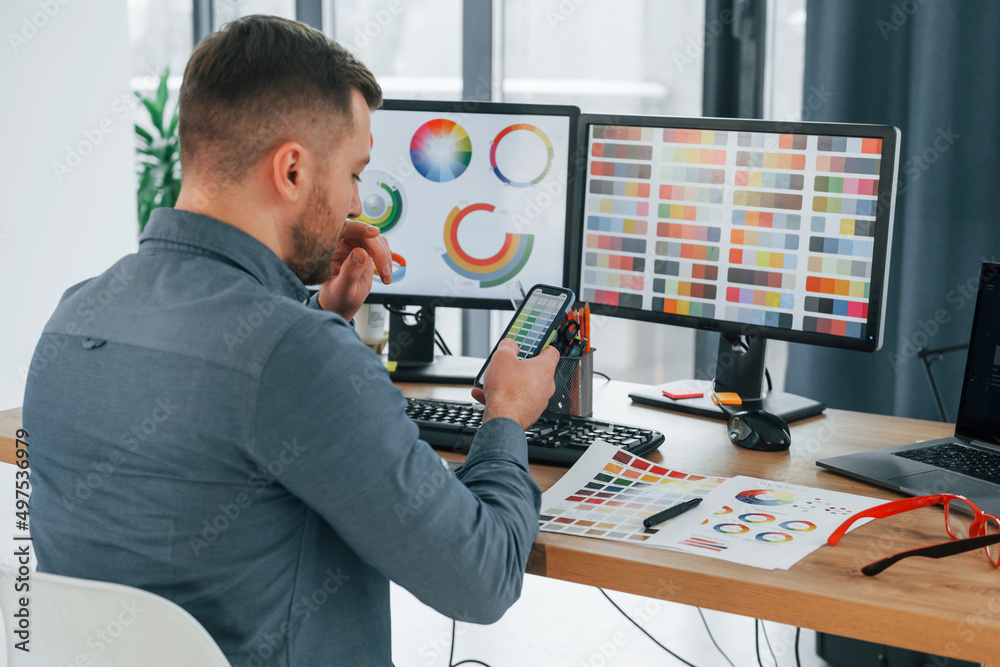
(535,322)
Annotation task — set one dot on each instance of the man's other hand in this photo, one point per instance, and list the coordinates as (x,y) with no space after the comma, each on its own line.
(517,388)
(361,249)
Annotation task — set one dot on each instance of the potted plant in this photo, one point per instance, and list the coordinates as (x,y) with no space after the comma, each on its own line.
(158,153)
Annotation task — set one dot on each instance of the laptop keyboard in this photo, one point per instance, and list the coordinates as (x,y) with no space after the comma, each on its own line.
(958,458)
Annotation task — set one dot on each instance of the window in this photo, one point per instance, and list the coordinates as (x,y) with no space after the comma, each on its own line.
(786,60)
(783,82)
(607,56)
(160,36)
(224,11)
(413,48)
(604,56)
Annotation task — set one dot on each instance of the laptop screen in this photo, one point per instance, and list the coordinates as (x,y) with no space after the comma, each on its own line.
(979,410)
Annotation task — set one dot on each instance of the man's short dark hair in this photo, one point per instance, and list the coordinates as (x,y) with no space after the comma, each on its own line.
(262,80)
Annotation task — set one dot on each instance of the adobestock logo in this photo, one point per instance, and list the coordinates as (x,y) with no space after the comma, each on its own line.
(31,25)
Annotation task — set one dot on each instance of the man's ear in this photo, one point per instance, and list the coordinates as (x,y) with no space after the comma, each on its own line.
(288,170)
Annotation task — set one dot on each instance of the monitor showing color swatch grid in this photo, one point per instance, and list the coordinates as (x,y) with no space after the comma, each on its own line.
(778,228)
(471,196)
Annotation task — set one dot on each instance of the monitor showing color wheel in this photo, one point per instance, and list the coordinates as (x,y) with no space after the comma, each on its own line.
(474,196)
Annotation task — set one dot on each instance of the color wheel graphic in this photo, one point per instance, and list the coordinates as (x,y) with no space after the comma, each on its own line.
(550,152)
(382,203)
(731,528)
(440,150)
(774,538)
(798,526)
(766,497)
(489,271)
(398,268)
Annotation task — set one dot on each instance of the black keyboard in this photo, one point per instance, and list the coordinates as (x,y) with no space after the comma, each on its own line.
(554,438)
(958,458)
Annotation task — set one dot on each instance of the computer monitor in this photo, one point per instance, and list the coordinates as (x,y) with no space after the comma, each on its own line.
(754,229)
(471,196)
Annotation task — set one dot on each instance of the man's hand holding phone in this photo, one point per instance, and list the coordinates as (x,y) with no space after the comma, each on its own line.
(517,388)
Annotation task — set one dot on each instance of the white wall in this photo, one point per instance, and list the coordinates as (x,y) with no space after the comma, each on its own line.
(64,100)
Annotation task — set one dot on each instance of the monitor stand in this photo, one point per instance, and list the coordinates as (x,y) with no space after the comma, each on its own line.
(739,369)
(445,369)
(410,352)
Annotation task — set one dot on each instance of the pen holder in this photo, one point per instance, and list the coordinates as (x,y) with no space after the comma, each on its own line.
(574,379)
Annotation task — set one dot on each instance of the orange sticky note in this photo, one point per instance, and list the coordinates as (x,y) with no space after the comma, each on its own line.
(727,398)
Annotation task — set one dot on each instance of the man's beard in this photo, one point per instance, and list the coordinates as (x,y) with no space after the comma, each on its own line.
(314,240)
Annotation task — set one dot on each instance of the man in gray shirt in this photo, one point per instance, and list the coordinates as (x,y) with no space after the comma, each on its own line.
(204,429)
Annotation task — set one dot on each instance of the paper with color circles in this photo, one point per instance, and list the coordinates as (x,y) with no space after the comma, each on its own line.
(762,523)
(771,525)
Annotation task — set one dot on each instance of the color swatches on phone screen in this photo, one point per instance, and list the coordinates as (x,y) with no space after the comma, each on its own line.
(533,322)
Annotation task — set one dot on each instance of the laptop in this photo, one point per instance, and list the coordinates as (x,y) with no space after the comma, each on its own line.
(968,463)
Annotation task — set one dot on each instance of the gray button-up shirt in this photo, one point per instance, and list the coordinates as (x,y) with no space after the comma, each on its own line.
(200,430)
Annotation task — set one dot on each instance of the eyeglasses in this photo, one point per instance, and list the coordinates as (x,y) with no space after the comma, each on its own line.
(968,526)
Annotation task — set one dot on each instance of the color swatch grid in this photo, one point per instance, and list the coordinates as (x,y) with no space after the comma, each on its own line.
(608,493)
(779,217)
(533,321)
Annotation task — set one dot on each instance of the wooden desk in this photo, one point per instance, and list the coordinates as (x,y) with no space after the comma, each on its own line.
(949,607)
(10,421)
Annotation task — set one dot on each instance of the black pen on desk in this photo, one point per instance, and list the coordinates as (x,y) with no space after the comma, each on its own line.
(671,512)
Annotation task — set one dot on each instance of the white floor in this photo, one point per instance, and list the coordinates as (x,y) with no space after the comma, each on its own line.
(557,623)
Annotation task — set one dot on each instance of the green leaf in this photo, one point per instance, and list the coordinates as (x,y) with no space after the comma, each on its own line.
(158,167)
(161,92)
(155,113)
(172,130)
(144,134)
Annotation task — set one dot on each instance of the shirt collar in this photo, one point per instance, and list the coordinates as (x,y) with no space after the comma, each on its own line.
(168,227)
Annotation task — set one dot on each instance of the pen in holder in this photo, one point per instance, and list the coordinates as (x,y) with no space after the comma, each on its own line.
(574,379)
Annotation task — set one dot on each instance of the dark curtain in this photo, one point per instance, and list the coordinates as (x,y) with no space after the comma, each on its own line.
(932,69)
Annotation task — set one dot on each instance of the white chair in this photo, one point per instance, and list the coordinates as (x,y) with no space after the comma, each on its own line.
(82,622)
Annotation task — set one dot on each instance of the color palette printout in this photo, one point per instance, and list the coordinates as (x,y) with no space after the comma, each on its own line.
(608,492)
(758,522)
(762,523)
(759,228)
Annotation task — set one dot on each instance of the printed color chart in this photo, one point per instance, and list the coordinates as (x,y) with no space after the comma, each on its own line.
(759,228)
(608,492)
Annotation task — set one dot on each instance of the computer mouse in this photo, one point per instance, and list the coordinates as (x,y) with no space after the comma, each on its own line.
(759,430)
